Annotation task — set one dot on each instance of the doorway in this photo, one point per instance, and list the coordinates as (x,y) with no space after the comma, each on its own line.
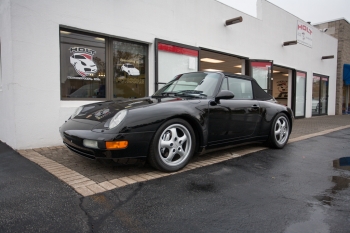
(281,84)
(319,95)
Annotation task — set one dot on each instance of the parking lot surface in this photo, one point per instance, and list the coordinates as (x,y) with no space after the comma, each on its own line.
(89,177)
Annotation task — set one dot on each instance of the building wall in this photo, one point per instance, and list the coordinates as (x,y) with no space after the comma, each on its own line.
(8,83)
(339,29)
(36,111)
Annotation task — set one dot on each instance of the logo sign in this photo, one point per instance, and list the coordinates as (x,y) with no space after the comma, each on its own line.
(304,34)
(82,60)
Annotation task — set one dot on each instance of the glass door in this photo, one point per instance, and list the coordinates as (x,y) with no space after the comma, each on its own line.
(319,95)
(299,99)
(261,71)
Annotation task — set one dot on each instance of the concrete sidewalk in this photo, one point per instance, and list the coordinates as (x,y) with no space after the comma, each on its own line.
(89,177)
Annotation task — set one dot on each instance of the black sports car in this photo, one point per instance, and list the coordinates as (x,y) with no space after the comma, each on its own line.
(191,113)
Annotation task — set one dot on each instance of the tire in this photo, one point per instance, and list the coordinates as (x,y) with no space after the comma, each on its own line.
(173,146)
(279,133)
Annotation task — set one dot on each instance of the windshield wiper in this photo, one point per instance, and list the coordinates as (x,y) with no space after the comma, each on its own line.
(191,92)
(168,93)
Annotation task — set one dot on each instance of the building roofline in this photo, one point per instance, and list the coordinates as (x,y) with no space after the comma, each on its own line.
(331,21)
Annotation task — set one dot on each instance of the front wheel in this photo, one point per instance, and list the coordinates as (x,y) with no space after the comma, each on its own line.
(172,146)
(279,133)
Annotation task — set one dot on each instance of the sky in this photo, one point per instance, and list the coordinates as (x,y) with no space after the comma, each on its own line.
(315,11)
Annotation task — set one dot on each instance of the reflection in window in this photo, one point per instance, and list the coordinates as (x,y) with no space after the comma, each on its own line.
(83,66)
(129,67)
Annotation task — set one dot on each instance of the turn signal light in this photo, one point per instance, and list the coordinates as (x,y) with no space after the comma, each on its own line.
(117,145)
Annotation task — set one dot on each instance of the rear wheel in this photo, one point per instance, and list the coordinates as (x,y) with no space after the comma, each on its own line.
(172,146)
(279,133)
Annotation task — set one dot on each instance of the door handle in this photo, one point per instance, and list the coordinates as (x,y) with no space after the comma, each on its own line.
(255,107)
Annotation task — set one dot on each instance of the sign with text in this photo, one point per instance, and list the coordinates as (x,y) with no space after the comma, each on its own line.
(304,34)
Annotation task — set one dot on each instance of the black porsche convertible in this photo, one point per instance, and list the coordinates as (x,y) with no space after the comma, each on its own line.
(190,114)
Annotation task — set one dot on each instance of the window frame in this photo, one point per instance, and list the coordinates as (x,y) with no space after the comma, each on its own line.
(108,59)
(156,42)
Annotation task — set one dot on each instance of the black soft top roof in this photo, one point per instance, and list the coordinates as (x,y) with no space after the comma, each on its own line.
(239,76)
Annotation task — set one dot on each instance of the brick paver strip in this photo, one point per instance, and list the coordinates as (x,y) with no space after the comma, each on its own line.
(147,177)
(51,159)
(107,185)
(79,180)
(96,188)
(84,191)
(127,180)
(83,184)
(118,182)
(137,178)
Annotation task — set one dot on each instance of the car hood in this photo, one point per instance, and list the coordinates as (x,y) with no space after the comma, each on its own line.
(102,111)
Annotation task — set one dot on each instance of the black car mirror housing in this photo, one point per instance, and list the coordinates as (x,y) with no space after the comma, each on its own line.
(224,94)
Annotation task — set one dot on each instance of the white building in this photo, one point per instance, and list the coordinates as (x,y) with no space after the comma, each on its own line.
(58,55)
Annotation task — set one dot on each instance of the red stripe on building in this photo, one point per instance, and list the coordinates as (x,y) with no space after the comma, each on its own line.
(261,64)
(176,49)
(302,75)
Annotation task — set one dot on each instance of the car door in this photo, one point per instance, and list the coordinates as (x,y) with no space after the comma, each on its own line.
(236,118)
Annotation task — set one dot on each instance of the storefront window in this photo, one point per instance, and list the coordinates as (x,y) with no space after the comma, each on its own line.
(129,67)
(261,72)
(94,66)
(83,66)
(174,60)
(300,87)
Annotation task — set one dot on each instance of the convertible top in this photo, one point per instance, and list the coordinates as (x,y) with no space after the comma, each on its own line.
(259,93)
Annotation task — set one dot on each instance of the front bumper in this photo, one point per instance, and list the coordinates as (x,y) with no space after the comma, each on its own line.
(138,146)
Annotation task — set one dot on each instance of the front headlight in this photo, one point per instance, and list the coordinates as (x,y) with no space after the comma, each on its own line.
(77,111)
(117,119)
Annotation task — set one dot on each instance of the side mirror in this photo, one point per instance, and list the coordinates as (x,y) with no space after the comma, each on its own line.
(225,95)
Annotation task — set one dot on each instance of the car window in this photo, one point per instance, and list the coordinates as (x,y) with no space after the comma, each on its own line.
(241,88)
(79,57)
(130,66)
(224,85)
(201,84)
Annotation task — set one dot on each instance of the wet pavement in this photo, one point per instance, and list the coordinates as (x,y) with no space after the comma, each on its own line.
(302,188)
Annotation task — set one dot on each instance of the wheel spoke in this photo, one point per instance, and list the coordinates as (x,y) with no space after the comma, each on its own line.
(171,155)
(278,131)
(173,134)
(181,153)
(283,124)
(183,139)
(166,144)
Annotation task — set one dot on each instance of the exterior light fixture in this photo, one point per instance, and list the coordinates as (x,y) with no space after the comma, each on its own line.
(234,20)
(293,42)
(328,57)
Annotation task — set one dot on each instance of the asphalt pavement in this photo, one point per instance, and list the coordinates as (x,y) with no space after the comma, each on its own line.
(302,188)
(32,200)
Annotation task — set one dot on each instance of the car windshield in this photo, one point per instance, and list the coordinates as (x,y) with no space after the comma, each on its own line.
(191,84)
(130,66)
